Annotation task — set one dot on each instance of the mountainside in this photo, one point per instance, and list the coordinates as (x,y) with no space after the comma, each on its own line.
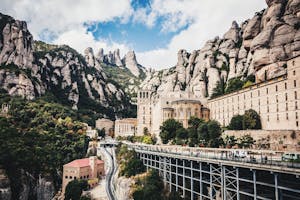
(258,47)
(31,69)
(126,71)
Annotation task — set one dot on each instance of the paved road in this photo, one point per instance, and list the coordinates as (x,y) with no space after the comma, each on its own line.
(110,174)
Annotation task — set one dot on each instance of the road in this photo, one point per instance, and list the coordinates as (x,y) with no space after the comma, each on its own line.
(109,177)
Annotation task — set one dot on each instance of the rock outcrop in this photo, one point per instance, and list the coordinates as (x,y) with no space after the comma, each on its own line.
(128,61)
(260,46)
(30,72)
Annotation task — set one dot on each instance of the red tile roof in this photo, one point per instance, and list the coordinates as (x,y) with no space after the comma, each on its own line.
(81,163)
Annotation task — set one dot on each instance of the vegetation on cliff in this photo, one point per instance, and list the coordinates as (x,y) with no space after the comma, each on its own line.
(36,139)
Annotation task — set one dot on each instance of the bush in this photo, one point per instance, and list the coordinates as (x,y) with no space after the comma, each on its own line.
(129,163)
(74,189)
(236,123)
(168,130)
(149,187)
(251,120)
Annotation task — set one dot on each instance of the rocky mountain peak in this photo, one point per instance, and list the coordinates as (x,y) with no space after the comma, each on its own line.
(100,55)
(117,58)
(260,47)
(131,63)
(15,42)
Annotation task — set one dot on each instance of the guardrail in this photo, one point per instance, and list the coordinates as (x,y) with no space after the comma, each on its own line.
(261,157)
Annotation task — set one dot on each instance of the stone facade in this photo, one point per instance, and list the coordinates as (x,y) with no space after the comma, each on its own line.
(154,110)
(84,169)
(105,124)
(125,127)
(276,101)
(278,140)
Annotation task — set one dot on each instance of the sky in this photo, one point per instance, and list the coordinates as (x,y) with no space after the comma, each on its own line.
(154,29)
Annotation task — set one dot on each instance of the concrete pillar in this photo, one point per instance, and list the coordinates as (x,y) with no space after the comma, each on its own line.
(192,180)
(176,175)
(237,184)
(183,186)
(200,177)
(276,186)
(254,185)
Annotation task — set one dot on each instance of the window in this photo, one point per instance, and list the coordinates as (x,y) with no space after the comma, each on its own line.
(294,72)
(75,177)
(71,177)
(267,90)
(286,107)
(267,100)
(276,88)
(285,85)
(268,109)
(258,93)
(276,98)
(287,116)
(277,108)
(286,96)
(251,94)
(277,117)
(268,118)
(297,123)
(296,105)
(66,177)
(295,83)
(295,94)
(296,115)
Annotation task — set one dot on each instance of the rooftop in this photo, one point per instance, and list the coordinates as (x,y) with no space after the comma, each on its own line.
(81,163)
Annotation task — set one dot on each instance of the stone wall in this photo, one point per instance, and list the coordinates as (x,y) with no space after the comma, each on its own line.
(287,140)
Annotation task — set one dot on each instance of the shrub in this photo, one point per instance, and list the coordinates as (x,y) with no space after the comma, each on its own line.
(236,123)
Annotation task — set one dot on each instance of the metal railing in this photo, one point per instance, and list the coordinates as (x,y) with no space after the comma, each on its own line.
(261,157)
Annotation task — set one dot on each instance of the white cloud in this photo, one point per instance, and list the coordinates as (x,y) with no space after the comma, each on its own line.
(60,16)
(209,19)
(79,39)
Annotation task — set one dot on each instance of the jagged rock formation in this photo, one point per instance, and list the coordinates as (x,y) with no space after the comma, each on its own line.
(259,46)
(113,58)
(126,71)
(30,69)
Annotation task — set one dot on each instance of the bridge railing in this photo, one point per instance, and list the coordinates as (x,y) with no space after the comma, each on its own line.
(262,157)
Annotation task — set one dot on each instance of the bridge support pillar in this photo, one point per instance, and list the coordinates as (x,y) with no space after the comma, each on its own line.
(276,186)
(237,184)
(176,175)
(192,181)
(200,177)
(183,178)
(254,184)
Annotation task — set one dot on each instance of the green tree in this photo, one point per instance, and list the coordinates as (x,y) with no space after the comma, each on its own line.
(149,187)
(230,141)
(168,130)
(214,132)
(203,135)
(234,84)
(245,141)
(74,189)
(147,139)
(219,89)
(251,120)
(236,123)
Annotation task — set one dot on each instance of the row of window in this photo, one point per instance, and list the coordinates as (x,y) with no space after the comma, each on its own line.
(81,177)
(219,103)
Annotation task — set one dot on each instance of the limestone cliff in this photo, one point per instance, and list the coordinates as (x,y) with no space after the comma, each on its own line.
(31,69)
(259,46)
(126,71)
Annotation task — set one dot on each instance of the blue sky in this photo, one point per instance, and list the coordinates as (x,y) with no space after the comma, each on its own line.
(154,29)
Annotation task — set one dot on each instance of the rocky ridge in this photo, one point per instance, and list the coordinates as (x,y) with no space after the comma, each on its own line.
(113,58)
(31,69)
(260,46)
(126,71)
